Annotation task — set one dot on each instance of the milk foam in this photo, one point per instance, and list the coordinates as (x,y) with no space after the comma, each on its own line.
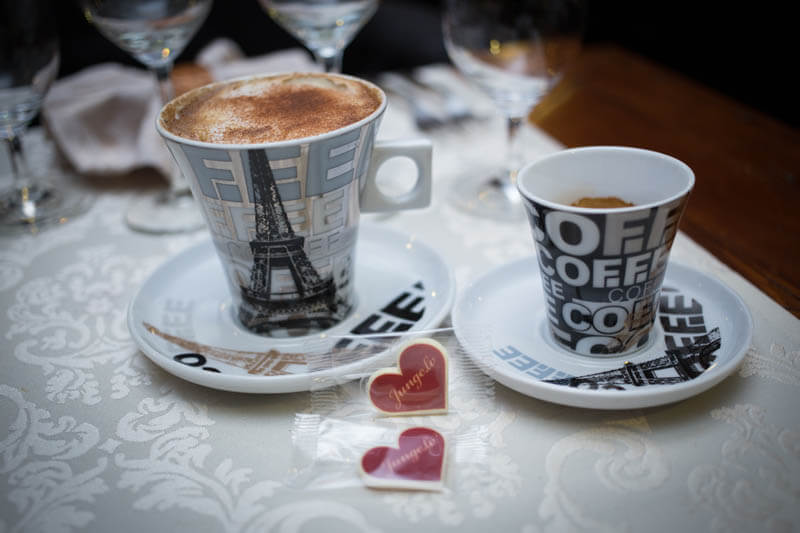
(269,109)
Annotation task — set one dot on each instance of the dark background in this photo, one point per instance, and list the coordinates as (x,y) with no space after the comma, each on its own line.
(745,50)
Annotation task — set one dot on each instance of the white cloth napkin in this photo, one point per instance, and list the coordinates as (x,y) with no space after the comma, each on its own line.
(103,117)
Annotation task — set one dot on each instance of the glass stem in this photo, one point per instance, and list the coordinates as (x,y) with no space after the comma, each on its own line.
(162,73)
(329,59)
(513,156)
(19,166)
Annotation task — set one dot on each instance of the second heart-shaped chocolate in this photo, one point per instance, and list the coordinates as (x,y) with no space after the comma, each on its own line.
(417,462)
(417,386)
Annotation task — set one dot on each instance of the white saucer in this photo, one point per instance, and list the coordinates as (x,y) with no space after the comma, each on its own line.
(182,320)
(501,322)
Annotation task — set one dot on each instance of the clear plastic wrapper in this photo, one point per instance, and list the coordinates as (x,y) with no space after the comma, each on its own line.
(343,423)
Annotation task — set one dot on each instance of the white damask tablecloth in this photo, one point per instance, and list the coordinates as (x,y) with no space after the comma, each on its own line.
(95,437)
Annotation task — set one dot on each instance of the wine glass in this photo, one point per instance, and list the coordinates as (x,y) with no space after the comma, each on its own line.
(29,57)
(155,32)
(515,52)
(325,27)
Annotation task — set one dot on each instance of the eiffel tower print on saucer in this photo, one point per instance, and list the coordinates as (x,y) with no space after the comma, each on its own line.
(702,333)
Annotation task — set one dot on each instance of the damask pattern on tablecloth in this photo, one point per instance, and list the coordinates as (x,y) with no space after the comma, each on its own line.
(72,325)
(17,256)
(168,468)
(38,468)
(173,470)
(22,253)
(781,364)
(755,484)
(629,461)
(475,493)
(295,516)
(71,321)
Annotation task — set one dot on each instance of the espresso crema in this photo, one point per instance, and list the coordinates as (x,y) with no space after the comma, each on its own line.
(601,202)
(269,109)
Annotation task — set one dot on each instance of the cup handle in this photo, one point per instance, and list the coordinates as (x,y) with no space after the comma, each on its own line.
(420,151)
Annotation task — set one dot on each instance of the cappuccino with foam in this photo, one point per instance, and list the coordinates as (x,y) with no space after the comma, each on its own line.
(282,166)
(270,109)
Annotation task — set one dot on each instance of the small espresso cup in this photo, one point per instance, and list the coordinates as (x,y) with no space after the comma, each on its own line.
(602,268)
(284,215)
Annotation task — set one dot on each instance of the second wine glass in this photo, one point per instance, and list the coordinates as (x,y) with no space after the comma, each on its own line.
(325,27)
(155,32)
(515,52)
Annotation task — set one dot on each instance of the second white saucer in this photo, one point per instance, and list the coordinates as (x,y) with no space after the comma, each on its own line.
(500,320)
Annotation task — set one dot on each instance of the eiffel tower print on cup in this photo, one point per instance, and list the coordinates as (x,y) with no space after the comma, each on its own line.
(282,165)
(603,221)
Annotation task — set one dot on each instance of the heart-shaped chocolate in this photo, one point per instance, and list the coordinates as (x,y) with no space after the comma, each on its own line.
(417,462)
(417,386)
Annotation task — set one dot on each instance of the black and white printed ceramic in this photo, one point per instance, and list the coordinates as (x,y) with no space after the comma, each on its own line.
(284,216)
(701,334)
(403,286)
(602,269)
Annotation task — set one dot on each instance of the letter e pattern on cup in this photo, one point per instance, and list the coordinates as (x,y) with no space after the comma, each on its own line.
(286,219)
(602,273)
(602,268)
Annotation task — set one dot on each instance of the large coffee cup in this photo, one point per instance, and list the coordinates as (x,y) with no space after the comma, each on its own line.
(602,268)
(281,166)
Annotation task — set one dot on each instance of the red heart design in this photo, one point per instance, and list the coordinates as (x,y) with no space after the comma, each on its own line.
(417,462)
(420,384)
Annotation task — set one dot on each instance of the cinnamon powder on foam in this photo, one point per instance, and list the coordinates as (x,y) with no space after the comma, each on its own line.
(269,109)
